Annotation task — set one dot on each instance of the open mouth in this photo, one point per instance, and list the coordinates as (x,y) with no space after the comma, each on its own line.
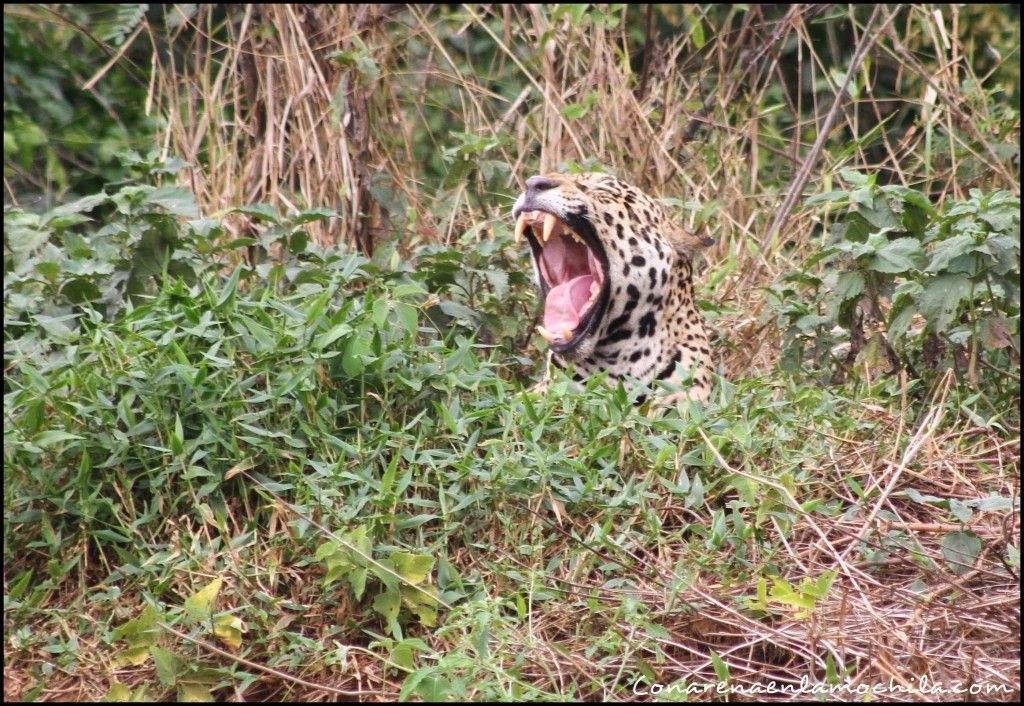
(572,268)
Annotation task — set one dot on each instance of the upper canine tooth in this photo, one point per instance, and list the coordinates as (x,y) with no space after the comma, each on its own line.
(521,226)
(549,225)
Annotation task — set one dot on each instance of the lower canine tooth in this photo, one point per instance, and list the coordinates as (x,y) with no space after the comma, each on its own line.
(549,225)
(546,334)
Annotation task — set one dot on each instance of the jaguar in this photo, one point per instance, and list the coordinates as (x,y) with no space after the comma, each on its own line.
(616,279)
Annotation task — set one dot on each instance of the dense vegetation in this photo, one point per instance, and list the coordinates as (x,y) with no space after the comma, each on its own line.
(268,345)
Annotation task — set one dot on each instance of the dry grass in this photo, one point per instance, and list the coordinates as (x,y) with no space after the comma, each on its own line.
(903,619)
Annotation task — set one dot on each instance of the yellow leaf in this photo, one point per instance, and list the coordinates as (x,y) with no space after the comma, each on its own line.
(118,692)
(239,467)
(131,657)
(200,604)
(141,631)
(191,692)
(414,568)
(229,629)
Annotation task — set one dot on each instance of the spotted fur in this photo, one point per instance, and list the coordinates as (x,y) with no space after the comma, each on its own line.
(650,322)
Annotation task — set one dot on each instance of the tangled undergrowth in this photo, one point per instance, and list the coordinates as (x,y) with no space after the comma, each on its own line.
(267,431)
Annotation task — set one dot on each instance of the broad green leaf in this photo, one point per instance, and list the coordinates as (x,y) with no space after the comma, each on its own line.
(948,250)
(388,604)
(960,550)
(142,631)
(118,692)
(313,214)
(856,178)
(167,664)
(830,197)
(325,550)
(352,358)
(175,200)
(939,303)
(414,568)
(897,255)
(259,211)
(423,604)
(849,285)
(408,317)
(406,290)
(82,205)
(357,580)
(328,337)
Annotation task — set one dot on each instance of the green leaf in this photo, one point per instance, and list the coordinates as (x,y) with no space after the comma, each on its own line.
(259,211)
(46,439)
(175,200)
(406,290)
(143,631)
(948,250)
(940,300)
(849,285)
(897,255)
(167,665)
(352,358)
(82,205)
(414,568)
(118,692)
(313,214)
(721,668)
(408,317)
(830,197)
(388,604)
(960,550)
(229,287)
(328,337)
(192,692)
(856,178)
(357,580)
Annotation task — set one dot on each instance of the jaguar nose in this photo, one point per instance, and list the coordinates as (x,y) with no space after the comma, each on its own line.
(536,184)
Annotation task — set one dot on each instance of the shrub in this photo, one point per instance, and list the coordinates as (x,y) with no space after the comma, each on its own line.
(901,284)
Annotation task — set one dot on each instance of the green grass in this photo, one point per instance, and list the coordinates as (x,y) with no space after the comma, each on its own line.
(374,490)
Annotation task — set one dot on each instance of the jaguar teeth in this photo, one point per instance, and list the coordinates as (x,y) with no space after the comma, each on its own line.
(521,226)
(576,237)
(551,336)
(549,225)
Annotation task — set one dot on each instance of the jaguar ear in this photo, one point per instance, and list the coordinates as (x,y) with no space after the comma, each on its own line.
(687,243)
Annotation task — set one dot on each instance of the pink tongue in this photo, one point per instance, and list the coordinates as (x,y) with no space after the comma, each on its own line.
(565,303)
